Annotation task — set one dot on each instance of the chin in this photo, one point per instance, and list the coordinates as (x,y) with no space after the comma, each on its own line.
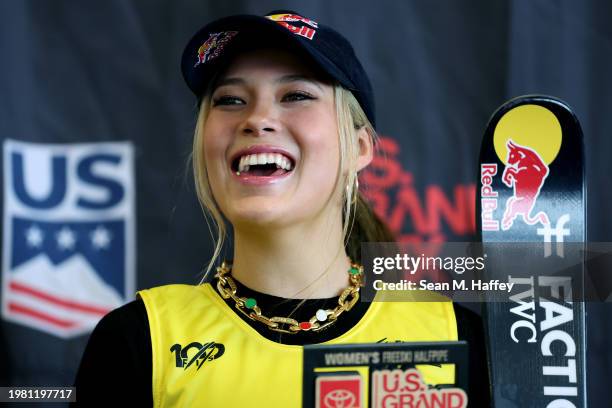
(259,220)
(258,213)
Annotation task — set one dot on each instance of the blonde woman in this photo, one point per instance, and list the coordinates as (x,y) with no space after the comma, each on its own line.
(285,124)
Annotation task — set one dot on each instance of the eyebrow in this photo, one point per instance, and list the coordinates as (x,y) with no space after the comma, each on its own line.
(283,80)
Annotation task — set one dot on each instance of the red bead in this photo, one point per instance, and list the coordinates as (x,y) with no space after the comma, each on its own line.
(305,325)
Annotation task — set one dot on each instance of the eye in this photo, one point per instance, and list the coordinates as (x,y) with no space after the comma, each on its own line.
(227,100)
(295,96)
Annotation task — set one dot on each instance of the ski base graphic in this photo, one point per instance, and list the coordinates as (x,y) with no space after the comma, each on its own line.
(531,218)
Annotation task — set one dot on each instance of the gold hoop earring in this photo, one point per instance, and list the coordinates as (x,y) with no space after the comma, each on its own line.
(355,190)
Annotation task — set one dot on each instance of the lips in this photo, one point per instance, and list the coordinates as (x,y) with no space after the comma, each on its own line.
(262,164)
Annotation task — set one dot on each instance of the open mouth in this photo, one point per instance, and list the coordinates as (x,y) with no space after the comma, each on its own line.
(263,165)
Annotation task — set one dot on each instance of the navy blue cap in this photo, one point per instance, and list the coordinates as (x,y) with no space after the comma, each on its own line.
(210,48)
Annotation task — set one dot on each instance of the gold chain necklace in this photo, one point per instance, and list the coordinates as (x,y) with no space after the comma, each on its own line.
(322,318)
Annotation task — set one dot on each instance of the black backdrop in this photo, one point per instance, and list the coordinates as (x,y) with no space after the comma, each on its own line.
(75,72)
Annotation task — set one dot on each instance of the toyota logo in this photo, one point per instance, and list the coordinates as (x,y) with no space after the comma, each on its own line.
(339,399)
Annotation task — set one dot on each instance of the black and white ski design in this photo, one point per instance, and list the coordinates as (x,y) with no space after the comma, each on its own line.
(531,218)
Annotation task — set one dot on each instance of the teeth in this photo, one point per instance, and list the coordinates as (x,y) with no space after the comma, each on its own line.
(264,158)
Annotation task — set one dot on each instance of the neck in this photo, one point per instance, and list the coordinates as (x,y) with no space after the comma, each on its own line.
(300,262)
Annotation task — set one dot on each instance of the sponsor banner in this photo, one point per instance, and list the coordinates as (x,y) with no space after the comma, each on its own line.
(68,254)
(384,375)
(531,189)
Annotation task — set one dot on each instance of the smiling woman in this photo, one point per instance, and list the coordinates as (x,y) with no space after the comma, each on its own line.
(269,107)
(285,123)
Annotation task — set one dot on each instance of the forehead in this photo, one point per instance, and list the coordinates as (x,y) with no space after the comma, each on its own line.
(270,62)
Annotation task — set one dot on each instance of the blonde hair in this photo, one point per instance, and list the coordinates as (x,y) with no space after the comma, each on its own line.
(351,118)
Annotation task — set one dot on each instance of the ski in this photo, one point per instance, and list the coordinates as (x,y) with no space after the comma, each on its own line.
(531,220)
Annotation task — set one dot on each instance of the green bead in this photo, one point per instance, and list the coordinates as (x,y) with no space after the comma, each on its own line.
(354,271)
(250,303)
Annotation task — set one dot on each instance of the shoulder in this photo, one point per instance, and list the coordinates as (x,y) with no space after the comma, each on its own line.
(125,326)
(119,325)
(117,357)
(172,292)
(133,315)
(132,318)
(173,310)
(130,315)
(169,299)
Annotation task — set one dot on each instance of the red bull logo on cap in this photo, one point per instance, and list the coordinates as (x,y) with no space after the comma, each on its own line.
(307,31)
(213,46)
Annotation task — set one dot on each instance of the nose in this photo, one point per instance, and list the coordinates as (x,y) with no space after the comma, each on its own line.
(261,119)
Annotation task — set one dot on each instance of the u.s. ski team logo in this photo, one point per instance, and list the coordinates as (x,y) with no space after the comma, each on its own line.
(68,234)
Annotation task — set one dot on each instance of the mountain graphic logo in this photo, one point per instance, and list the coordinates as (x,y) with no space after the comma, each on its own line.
(68,234)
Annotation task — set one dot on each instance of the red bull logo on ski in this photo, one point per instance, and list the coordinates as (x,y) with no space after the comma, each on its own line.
(525,173)
(527,139)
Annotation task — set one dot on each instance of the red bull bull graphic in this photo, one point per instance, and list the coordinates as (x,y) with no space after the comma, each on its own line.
(526,140)
(525,172)
(306,28)
(213,46)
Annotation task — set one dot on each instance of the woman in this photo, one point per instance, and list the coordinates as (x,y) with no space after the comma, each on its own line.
(286,122)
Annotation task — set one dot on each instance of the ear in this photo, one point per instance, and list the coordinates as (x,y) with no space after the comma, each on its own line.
(366,148)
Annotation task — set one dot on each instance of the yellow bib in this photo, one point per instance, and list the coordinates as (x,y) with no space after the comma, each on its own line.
(205,355)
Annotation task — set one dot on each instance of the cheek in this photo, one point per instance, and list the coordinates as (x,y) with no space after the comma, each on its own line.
(214,145)
(320,147)
(320,132)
